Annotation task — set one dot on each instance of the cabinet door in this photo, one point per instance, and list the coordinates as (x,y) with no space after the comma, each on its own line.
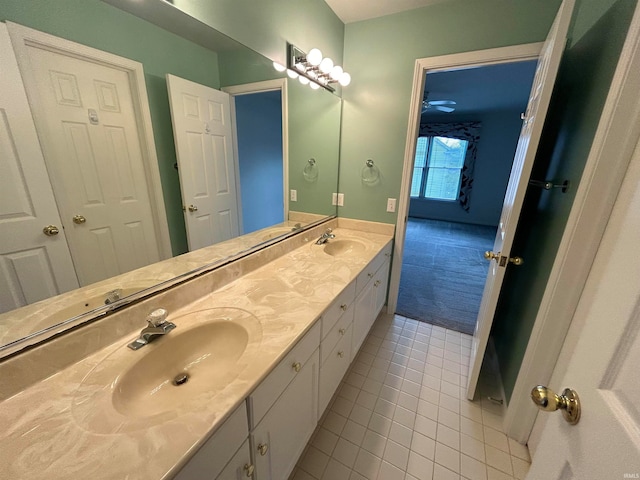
(281,436)
(363,314)
(380,286)
(333,369)
(239,467)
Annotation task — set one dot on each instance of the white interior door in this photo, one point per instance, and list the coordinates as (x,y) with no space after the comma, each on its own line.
(203,136)
(603,368)
(87,124)
(520,172)
(33,266)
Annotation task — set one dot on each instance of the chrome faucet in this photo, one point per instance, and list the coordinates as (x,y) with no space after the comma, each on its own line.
(113,296)
(296,227)
(157,327)
(325,236)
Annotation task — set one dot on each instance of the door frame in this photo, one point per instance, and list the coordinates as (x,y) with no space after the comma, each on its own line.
(258,87)
(457,61)
(23,37)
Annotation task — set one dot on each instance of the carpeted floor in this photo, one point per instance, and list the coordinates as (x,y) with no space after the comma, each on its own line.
(443,272)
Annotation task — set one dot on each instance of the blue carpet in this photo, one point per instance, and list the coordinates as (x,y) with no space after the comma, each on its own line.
(443,272)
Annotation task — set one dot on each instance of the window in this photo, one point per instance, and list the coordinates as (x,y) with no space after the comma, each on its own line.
(438,167)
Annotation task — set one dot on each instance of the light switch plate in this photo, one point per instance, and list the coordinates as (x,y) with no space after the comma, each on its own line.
(391,205)
(334,199)
(341,199)
(294,195)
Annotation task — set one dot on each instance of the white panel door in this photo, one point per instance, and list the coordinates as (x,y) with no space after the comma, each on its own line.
(603,368)
(33,266)
(537,107)
(203,135)
(87,124)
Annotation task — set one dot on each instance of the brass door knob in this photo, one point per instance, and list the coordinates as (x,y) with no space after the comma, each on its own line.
(296,366)
(492,256)
(192,208)
(547,401)
(79,219)
(249,469)
(51,230)
(263,448)
(516,260)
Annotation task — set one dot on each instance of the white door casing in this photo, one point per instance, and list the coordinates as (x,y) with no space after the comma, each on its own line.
(203,136)
(603,366)
(33,266)
(94,125)
(530,134)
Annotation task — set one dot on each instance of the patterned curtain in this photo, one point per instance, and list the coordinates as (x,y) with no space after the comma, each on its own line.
(469,131)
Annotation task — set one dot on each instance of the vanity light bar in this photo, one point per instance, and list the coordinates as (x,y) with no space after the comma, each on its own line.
(312,68)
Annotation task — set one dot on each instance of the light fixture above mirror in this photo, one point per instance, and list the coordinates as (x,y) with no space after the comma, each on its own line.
(313,69)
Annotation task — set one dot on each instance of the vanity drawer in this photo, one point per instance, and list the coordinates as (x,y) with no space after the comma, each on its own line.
(341,305)
(333,369)
(273,385)
(337,332)
(370,270)
(212,457)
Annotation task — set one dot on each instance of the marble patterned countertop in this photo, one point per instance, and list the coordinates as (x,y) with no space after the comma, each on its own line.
(46,429)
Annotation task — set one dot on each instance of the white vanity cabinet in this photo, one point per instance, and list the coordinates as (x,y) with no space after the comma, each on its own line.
(371,286)
(224,456)
(283,410)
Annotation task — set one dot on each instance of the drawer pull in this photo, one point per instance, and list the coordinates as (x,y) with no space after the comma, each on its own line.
(249,469)
(297,366)
(341,354)
(262,448)
(369,275)
(387,254)
(343,307)
(342,331)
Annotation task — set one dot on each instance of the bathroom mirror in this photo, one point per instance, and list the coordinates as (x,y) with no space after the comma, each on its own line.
(166,40)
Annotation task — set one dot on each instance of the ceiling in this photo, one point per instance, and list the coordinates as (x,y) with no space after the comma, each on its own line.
(355,10)
(494,87)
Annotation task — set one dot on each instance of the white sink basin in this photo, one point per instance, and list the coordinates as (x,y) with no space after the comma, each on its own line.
(172,375)
(341,247)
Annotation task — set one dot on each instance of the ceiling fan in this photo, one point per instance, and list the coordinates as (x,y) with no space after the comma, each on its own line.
(447,106)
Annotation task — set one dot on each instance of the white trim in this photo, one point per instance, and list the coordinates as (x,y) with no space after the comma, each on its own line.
(22,37)
(457,61)
(613,145)
(268,86)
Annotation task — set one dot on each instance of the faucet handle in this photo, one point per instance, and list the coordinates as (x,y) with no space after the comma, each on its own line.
(329,230)
(157,317)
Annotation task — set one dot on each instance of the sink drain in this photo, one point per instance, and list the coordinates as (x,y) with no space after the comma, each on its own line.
(180,379)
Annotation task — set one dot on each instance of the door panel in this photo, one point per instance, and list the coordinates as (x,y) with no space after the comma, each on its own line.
(521,170)
(203,136)
(33,266)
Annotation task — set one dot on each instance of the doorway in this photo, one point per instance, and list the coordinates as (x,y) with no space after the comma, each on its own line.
(469,127)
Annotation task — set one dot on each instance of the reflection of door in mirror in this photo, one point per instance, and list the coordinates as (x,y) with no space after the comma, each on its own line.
(33,265)
(88,127)
(201,119)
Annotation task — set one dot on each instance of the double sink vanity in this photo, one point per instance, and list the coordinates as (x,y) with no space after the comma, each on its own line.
(234,390)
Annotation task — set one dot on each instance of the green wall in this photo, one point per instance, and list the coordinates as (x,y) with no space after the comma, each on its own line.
(380,54)
(582,85)
(107,28)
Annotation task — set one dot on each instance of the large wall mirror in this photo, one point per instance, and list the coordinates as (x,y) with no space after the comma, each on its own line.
(285,144)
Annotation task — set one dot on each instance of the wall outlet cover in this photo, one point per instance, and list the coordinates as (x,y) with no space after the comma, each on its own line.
(334,199)
(294,195)
(391,205)
(341,199)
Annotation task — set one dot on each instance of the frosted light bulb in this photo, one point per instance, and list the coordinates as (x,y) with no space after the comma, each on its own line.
(279,67)
(336,72)
(345,79)
(303,80)
(314,57)
(326,65)
(314,85)
(291,73)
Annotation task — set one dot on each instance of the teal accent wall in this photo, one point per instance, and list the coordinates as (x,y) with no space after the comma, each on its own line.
(583,83)
(380,54)
(101,26)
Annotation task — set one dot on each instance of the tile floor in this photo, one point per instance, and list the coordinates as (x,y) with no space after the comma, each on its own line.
(401,413)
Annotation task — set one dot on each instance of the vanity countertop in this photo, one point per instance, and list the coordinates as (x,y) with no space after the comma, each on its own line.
(41,436)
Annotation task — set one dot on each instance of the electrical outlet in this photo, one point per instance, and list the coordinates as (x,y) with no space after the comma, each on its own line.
(391,205)
(341,199)
(334,199)
(294,195)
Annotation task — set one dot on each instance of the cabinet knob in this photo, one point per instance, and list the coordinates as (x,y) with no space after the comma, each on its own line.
(297,366)
(341,354)
(263,448)
(342,331)
(248,468)
(377,282)
(387,254)
(343,307)
(369,275)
